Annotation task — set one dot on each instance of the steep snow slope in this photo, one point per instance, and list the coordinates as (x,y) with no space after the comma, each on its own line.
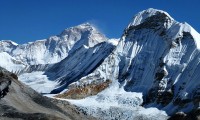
(78,64)
(53,49)
(158,57)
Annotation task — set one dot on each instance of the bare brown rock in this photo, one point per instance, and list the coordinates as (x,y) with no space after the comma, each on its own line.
(84,91)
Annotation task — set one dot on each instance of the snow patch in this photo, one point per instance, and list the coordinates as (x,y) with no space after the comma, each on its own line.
(113,41)
(38,81)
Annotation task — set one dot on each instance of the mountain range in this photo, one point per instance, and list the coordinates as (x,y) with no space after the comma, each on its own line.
(154,64)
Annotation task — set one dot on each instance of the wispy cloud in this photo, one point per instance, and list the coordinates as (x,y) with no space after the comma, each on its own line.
(99,25)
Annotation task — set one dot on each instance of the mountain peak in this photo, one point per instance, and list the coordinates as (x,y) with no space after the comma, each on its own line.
(143,15)
(86,24)
(82,27)
(164,24)
(84,31)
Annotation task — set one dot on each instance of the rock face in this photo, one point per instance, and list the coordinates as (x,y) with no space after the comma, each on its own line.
(80,92)
(23,103)
(51,50)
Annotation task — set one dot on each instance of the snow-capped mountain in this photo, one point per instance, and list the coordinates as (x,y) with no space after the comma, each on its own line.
(56,77)
(158,57)
(51,50)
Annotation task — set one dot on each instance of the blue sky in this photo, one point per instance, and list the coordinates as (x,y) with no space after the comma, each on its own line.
(28,20)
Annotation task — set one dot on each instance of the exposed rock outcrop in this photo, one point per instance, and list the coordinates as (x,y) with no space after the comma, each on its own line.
(79,92)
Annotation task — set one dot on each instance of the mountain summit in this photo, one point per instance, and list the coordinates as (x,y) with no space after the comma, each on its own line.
(143,15)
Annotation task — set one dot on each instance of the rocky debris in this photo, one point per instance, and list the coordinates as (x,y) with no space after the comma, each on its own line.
(84,91)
